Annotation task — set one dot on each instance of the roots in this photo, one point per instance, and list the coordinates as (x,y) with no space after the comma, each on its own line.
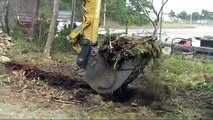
(117,50)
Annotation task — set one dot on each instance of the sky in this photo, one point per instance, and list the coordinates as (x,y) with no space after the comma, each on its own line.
(185,5)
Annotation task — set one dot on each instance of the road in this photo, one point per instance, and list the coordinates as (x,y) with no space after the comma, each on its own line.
(198,31)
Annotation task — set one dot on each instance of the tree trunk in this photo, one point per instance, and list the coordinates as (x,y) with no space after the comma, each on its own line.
(36,21)
(52,30)
(5,17)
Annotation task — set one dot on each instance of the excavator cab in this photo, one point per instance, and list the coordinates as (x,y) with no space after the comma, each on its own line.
(101,76)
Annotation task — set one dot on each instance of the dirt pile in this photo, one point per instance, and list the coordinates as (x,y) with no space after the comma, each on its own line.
(117,50)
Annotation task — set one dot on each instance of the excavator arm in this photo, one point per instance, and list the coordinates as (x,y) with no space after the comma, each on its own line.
(102,77)
(89,28)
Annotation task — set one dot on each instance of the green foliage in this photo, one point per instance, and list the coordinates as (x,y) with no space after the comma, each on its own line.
(205,14)
(61,43)
(61,57)
(204,87)
(179,66)
(145,3)
(183,15)
(119,12)
(45,14)
(138,51)
(30,45)
(209,68)
(65,5)
(116,11)
(61,50)
(196,15)
(172,15)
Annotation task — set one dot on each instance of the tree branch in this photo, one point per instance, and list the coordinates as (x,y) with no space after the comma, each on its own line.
(156,21)
(153,8)
(158,15)
(146,14)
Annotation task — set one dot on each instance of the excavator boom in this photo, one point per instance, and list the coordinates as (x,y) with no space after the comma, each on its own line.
(89,27)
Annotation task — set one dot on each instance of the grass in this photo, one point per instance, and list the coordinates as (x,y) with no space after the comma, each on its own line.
(187,73)
(32,51)
(166,25)
(190,76)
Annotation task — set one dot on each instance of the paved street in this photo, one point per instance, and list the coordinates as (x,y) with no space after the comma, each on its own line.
(198,31)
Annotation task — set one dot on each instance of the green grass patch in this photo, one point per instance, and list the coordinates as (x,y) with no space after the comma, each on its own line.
(187,73)
(170,25)
(33,45)
(204,87)
(68,58)
(178,65)
(31,50)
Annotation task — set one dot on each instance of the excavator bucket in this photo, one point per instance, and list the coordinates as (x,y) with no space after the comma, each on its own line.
(99,74)
(104,79)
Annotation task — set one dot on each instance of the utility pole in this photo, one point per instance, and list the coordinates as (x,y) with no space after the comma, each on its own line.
(161,21)
(191,19)
(73,14)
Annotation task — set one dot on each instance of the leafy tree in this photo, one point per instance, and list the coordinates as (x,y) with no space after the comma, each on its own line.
(64,5)
(183,15)
(156,21)
(196,15)
(145,3)
(119,12)
(207,14)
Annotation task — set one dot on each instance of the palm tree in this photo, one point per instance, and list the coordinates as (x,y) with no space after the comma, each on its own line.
(172,15)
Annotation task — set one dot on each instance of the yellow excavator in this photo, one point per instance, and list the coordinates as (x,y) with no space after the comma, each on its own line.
(99,75)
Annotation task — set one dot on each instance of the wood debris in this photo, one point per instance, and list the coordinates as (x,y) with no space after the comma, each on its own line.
(117,50)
